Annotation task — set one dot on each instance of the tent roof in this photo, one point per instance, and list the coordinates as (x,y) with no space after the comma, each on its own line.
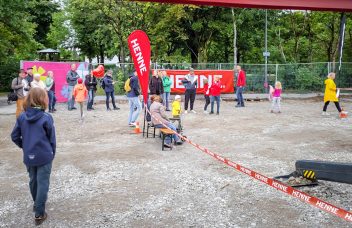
(320,5)
(48,50)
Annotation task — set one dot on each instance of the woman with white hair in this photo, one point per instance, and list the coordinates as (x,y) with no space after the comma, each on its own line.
(37,82)
(330,94)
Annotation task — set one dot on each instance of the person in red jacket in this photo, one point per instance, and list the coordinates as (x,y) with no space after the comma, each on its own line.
(240,84)
(215,90)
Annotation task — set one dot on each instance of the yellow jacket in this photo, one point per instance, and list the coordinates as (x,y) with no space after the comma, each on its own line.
(176,108)
(330,91)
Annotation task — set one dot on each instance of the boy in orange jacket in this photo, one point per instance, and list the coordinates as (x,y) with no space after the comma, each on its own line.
(80,93)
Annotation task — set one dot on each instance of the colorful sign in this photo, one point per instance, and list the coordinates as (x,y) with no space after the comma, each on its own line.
(60,70)
(226,78)
(139,45)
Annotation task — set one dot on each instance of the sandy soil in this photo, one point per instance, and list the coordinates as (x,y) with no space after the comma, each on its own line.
(106,176)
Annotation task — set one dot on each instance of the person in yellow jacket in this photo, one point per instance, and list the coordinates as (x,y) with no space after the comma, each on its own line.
(176,107)
(176,110)
(330,94)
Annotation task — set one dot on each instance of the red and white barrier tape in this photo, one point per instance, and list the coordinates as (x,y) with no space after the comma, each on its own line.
(314,201)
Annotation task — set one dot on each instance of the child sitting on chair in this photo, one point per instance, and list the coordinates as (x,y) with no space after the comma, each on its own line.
(176,107)
(176,111)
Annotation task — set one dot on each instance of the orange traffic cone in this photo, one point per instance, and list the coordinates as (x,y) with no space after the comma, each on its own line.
(343,114)
(137,130)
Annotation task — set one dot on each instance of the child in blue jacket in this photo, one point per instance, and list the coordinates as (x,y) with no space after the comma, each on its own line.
(34,132)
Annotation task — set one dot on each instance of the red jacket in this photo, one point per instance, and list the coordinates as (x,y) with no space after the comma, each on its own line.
(215,89)
(241,78)
(205,91)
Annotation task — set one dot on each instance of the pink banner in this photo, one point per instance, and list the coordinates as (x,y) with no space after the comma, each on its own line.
(60,70)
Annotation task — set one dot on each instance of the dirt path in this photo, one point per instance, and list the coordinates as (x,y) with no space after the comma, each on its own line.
(105,176)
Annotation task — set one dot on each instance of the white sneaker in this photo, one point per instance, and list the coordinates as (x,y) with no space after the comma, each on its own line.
(325,113)
(205,112)
(186,112)
(193,111)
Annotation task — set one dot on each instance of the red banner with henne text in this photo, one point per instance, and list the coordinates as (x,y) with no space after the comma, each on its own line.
(226,78)
(139,45)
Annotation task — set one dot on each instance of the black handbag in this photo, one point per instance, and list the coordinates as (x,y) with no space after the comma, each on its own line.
(12,96)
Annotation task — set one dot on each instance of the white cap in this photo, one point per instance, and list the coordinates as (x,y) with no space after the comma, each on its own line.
(177,97)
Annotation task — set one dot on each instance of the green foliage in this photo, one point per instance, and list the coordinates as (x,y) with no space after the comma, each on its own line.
(40,12)
(308,80)
(119,86)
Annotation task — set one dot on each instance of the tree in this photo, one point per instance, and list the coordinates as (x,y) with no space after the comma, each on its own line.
(40,12)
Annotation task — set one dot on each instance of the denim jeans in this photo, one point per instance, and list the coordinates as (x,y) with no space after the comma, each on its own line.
(108,95)
(135,108)
(239,91)
(172,127)
(217,99)
(166,98)
(39,179)
(52,100)
(71,99)
(91,95)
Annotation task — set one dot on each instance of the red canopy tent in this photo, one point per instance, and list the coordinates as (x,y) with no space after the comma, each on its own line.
(321,5)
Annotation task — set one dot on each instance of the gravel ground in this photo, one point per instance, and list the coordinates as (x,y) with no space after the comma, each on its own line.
(106,176)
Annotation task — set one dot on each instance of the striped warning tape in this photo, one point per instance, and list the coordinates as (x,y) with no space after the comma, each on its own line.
(314,201)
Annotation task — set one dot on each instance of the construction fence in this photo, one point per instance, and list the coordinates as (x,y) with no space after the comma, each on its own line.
(295,77)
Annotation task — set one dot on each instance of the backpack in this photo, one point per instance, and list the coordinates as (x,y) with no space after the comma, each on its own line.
(127,86)
(102,83)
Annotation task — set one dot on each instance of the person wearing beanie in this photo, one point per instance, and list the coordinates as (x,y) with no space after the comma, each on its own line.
(80,93)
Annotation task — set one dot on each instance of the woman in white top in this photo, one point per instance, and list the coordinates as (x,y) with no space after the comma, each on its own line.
(37,82)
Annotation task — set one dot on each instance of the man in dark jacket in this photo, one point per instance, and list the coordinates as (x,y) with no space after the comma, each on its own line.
(133,100)
(29,77)
(91,85)
(71,79)
(156,84)
(190,83)
(109,90)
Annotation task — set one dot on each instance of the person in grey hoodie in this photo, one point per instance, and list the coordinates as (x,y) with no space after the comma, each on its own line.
(190,83)
(71,79)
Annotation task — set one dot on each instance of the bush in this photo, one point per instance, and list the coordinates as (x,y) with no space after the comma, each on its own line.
(8,71)
(308,80)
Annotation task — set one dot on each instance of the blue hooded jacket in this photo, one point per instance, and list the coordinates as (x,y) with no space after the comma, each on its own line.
(34,132)
(109,87)
(134,92)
